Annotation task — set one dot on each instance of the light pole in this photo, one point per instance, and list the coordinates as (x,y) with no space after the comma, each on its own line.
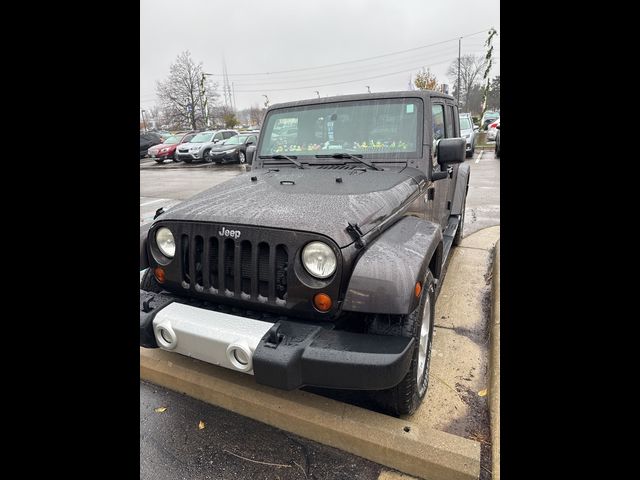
(266,101)
(318,93)
(368,89)
(144,123)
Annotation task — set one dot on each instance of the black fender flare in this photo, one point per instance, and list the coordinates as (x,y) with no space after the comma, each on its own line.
(459,194)
(144,231)
(385,276)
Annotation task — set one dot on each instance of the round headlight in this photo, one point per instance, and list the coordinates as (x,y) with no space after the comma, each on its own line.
(165,241)
(319,260)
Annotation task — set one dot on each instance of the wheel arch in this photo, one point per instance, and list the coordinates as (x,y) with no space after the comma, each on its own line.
(384,279)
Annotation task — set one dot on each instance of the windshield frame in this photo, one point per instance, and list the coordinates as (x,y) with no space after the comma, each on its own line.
(381,157)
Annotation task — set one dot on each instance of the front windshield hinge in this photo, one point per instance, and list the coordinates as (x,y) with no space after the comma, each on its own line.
(354,230)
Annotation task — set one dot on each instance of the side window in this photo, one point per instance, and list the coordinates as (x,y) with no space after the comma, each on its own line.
(452,128)
(188,138)
(253,140)
(437,112)
(229,134)
(217,136)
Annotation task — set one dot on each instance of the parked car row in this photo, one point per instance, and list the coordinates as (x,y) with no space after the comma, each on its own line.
(167,149)
(217,146)
(488,117)
(148,140)
(492,129)
(468,131)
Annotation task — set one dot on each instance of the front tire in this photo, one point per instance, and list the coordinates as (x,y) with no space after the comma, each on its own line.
(242,158)
(405,398)
(458,238)
(206,157)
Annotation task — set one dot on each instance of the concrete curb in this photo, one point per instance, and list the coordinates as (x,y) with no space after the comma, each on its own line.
(494,385)
(390,441)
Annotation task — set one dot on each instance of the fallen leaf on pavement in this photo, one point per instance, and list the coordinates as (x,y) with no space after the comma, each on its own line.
(159,409)
(201,425)
(482,393)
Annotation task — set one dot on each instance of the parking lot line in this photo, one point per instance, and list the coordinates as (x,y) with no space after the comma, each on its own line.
(479,156)
(153,201)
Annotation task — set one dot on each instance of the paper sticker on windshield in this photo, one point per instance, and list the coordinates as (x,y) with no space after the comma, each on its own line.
(410,108)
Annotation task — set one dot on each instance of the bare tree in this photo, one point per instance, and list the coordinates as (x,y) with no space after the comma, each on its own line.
(425,80)
(180,95)
(471,67)
(256,115)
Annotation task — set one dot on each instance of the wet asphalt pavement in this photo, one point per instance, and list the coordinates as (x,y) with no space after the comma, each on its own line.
(230,446)
(172,446)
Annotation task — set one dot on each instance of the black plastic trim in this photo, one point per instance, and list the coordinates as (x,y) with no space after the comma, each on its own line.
(310,355)
(150,304)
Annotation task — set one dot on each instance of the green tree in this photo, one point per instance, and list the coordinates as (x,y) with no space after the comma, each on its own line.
(230,120)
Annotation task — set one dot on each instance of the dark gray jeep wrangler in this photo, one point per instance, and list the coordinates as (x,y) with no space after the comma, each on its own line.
(321,266)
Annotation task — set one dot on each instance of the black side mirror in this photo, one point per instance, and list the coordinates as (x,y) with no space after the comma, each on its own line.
(451,150)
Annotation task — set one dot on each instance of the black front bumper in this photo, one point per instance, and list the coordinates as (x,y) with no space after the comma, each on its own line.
(294,354)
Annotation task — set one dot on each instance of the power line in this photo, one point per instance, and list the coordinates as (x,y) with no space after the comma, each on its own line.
(341,83)
(351,61)
(399,63)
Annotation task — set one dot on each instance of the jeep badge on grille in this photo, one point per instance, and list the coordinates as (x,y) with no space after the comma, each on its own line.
(225,232)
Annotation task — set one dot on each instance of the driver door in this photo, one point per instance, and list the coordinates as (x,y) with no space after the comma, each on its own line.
(442,128)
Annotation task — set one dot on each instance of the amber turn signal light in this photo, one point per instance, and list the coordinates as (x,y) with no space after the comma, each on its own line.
(159,273)
(322,302)
(418,289)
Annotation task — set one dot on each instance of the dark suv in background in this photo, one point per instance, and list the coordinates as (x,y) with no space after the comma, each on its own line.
(148,140)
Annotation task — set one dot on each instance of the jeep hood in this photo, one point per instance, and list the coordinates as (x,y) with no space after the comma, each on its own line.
(309,200)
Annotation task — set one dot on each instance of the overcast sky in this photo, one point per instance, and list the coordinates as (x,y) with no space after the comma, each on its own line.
(260,36)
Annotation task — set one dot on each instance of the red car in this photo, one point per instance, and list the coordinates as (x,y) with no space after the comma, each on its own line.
(167,149)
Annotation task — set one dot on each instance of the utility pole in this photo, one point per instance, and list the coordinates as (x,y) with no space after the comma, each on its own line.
(144,123)
(317,93)
(203,98)
(266,101)
(459,48)
(233,90)
(368,89)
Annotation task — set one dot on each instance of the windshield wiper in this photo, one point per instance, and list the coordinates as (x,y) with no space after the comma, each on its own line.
(283,157)
(354,157)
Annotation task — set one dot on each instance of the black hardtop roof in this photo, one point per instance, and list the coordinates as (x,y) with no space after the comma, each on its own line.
(363,96)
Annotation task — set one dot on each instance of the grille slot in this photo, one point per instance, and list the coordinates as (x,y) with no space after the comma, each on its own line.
(263,269)
(198,261)
(245,267)
(229,270)
(213,264)
(184,256)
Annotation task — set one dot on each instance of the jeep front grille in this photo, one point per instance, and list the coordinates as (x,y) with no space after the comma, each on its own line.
(242,269)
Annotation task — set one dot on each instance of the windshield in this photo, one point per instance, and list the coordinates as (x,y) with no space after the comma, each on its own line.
(235,140)
(202,137)
(368,127)
(172,140)
(465,123)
